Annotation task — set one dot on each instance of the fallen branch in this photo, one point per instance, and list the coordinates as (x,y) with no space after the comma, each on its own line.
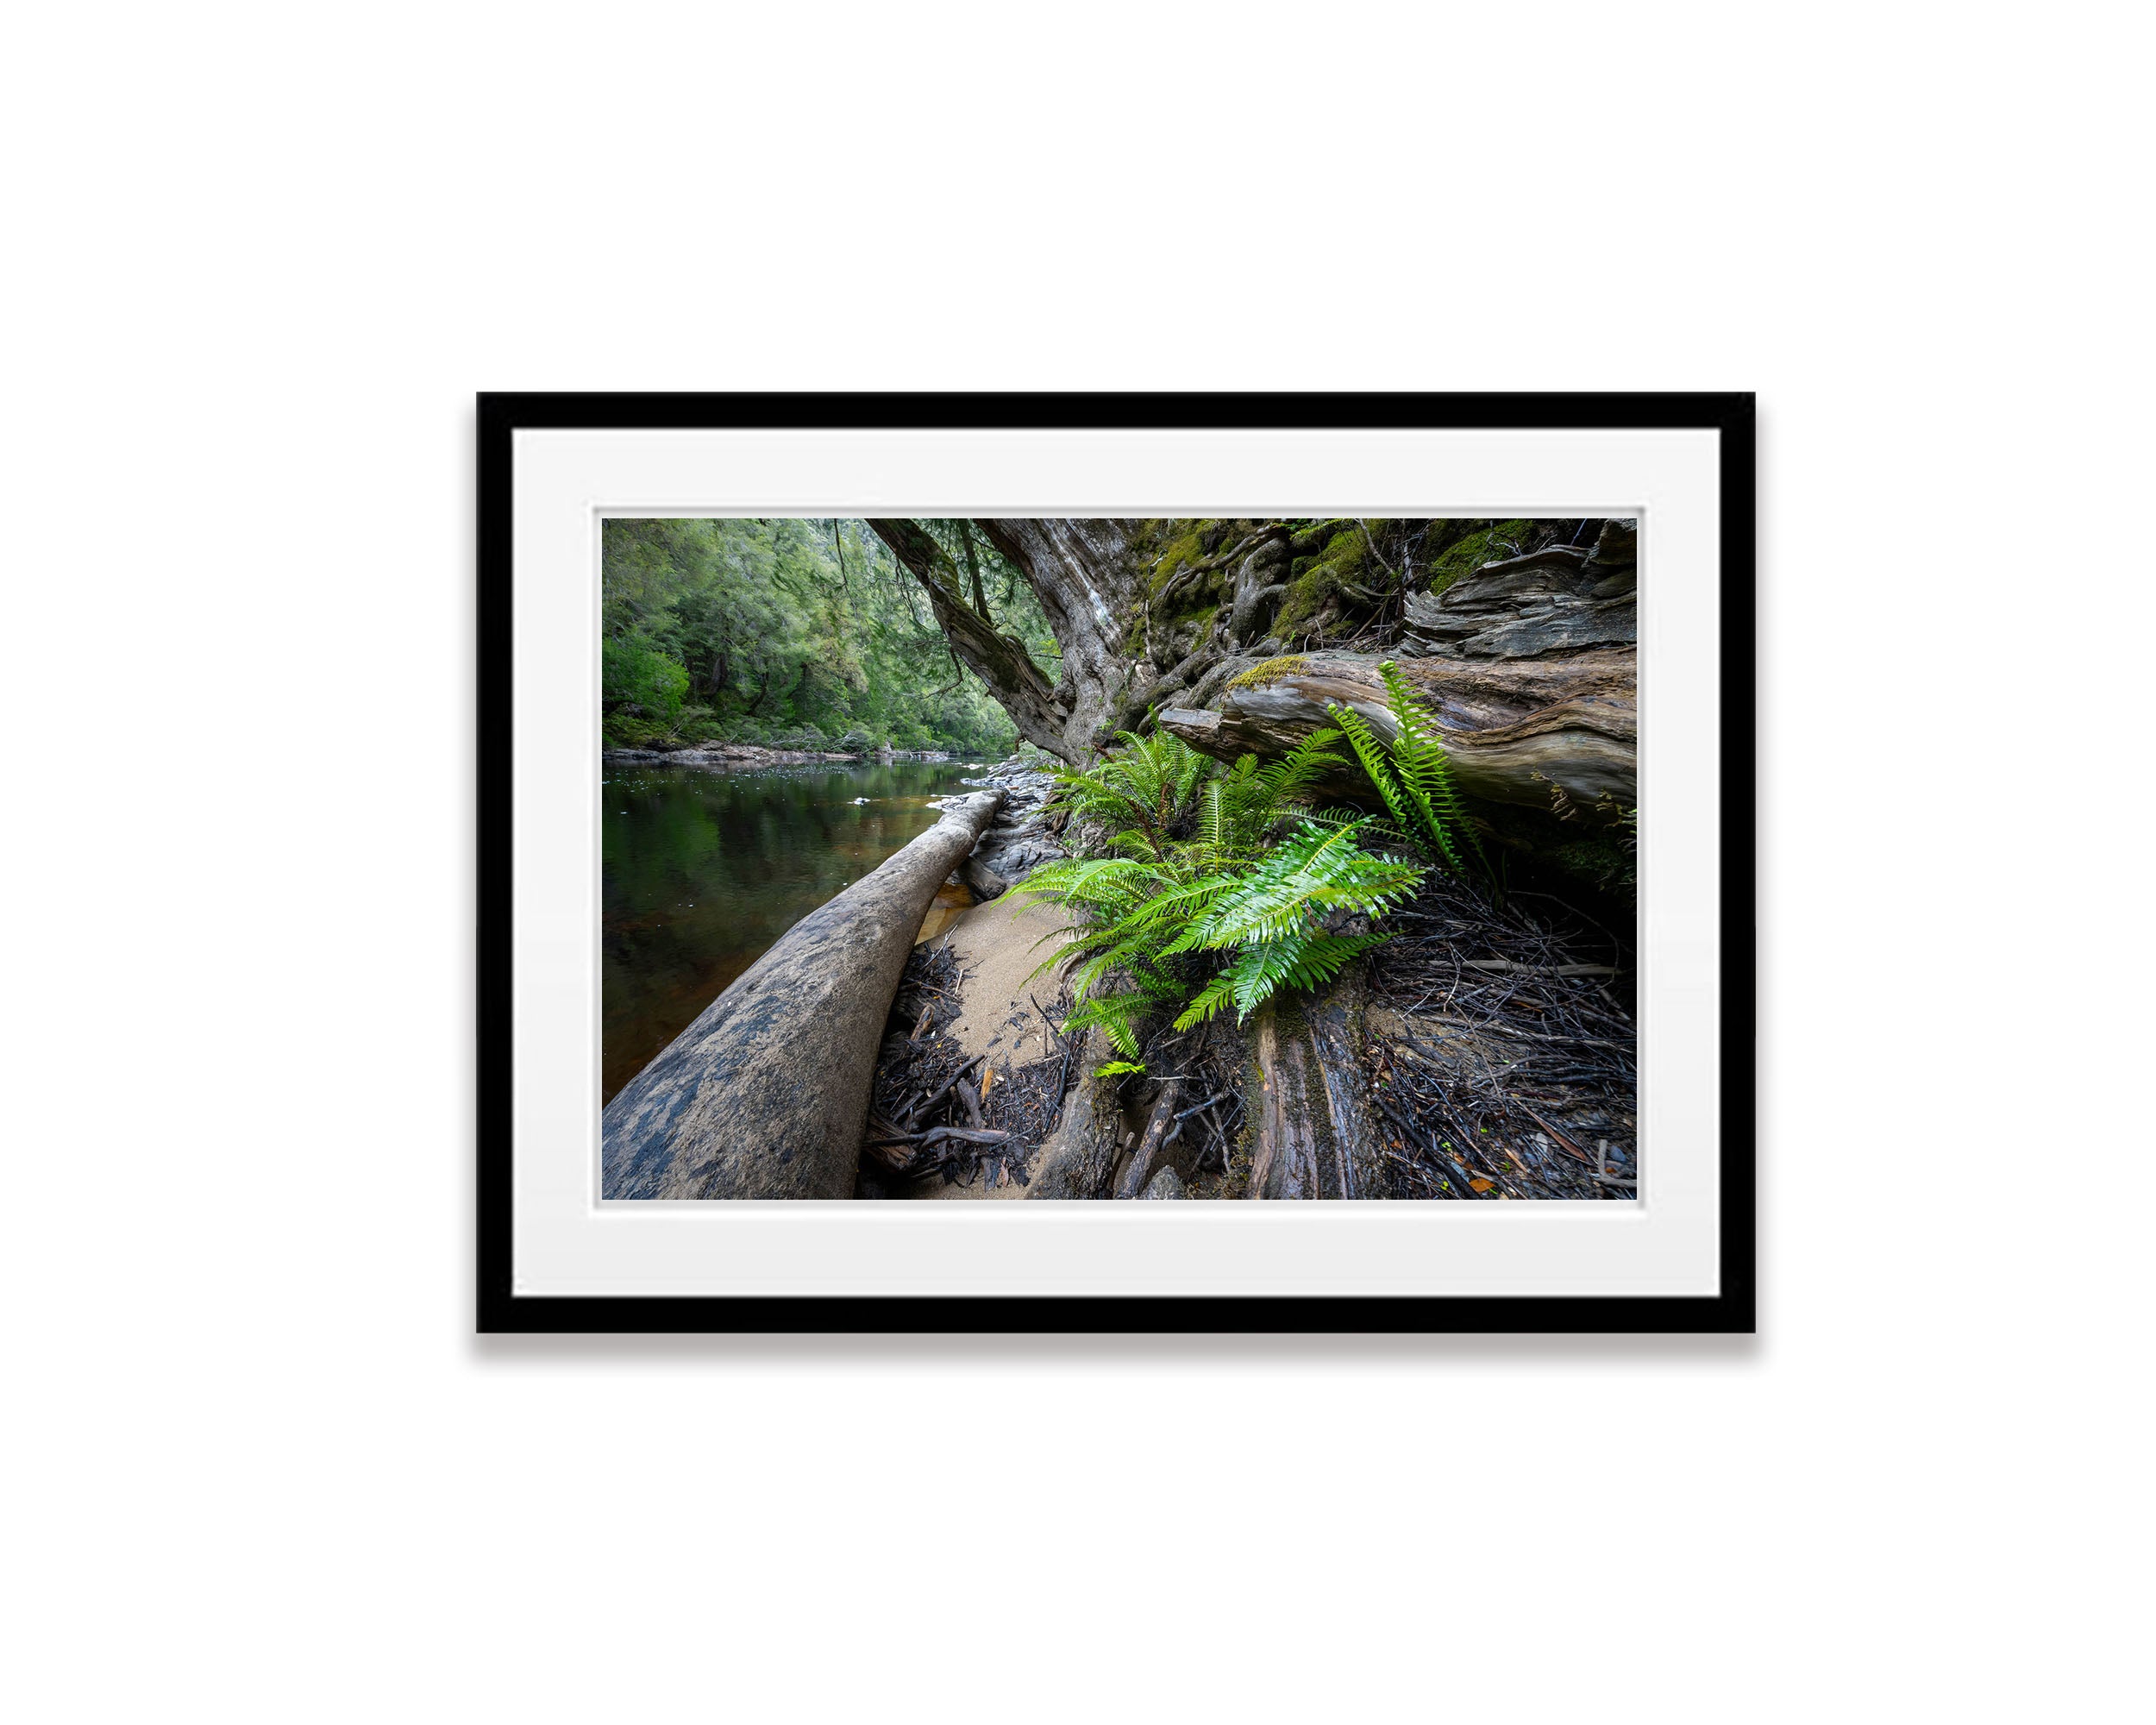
(1150,1145)
(1563,1143)
(941,1091)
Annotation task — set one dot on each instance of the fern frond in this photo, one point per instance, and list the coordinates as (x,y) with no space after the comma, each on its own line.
(1118,1017)
(1426,766)
(1217,994)
(1214,827)
(1312,872)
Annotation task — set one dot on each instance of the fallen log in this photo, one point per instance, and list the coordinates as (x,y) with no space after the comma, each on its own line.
(1513,728)
(767,1093)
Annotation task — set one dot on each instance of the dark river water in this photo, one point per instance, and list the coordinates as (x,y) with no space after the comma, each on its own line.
(703,869)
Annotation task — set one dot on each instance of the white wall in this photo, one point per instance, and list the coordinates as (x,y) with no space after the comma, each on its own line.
(261,260)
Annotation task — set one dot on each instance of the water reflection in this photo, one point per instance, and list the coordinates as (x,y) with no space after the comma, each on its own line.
(703,869)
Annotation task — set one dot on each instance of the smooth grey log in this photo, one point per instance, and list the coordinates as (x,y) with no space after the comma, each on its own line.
(767,1093)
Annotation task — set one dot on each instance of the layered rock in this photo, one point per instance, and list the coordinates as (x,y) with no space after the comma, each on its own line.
(1021,838)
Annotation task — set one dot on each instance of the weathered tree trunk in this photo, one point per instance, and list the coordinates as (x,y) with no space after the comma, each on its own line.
(973,570)
(1529,658)
(1313,1131)
(1563,599)
(1087,576)
(1258,588)
(1079,1157)
(999,661)
(1514,728)
(766,1095)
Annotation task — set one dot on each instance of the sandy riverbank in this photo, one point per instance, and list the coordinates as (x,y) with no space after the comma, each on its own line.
(999,946)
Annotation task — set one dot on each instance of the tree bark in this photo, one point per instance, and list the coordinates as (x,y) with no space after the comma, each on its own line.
(1086,575)
(973,571)
(999,661)
(1315,1136)
(1513,728)
(1527,661)
(767,1093)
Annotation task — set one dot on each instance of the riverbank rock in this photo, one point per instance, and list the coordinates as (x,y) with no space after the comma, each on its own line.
(724,754)
(1021,838)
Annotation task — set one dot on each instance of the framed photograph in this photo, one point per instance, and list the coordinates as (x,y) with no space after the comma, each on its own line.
(1256,862)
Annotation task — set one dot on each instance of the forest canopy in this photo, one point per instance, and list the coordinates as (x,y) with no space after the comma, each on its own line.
(799,634)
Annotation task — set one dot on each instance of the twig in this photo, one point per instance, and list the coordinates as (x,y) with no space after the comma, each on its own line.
(1207,1103)
(942,1090)
(1508,966)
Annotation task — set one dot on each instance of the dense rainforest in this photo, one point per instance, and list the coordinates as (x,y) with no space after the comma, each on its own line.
(802,634)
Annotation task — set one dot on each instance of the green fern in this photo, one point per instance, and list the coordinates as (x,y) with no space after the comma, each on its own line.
(1313,874)
(1198,907)
(1143,792)
(1413,776)
(1424,765)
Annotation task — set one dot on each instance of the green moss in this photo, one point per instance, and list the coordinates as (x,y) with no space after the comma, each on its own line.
(1320,578)
(1188,548)
(1201,601)
(1271,671)
(1311,538)
(1486,545)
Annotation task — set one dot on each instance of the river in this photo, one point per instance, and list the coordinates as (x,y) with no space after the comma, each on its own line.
(703,869)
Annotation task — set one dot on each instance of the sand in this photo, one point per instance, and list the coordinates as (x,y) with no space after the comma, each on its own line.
(998,946)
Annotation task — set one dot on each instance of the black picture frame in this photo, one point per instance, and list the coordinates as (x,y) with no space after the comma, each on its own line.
(1732,1309)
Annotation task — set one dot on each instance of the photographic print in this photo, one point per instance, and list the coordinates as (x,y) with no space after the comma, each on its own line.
(1201,859)
(1072,863)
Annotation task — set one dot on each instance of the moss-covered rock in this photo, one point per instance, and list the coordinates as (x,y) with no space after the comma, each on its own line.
(1190,547)
(1309,540)
(1486,544)
(1319,579)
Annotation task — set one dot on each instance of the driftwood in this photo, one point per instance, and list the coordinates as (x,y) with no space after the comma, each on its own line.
(1506,966)
(766,1094)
